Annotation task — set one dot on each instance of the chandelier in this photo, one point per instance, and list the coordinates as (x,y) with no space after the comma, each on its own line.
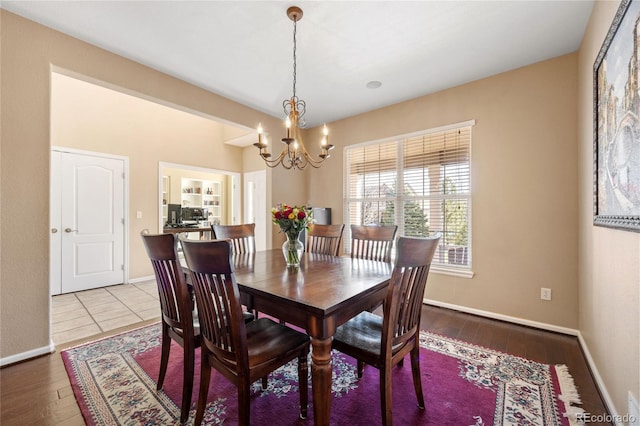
(294,155)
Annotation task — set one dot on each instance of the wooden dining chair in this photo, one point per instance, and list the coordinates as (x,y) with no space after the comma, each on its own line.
(324,239)
(372,242)
(243,353)
(243,237)
(176,304)
(243,240)
(382,342)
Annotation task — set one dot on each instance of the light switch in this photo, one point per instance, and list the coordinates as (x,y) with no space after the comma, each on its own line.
(138,214)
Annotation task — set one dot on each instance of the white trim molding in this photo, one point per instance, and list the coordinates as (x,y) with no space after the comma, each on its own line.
(142,279)
(611,408)
(23,356)
(507,318)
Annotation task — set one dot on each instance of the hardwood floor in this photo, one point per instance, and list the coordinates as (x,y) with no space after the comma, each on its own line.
(38,392)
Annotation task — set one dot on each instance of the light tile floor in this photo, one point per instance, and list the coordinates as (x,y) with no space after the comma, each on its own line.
(86,313)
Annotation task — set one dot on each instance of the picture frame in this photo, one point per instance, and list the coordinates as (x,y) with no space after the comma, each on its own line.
(616,118)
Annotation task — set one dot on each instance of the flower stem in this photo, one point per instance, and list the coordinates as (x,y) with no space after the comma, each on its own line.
(292,252)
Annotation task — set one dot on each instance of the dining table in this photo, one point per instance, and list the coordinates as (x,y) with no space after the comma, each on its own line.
(321,294)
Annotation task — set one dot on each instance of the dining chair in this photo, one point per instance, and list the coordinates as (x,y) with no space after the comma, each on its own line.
(382,342)
(243,240)
(243,353)
(179,322)
(372,242)
(243,237)
(324,239)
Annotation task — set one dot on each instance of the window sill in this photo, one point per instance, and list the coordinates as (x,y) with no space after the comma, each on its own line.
(455,272)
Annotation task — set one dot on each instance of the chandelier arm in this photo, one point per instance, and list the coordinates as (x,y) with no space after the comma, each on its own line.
(312,161)
(274,162)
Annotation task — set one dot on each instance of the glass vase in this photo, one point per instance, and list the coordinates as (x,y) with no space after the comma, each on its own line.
(292,250)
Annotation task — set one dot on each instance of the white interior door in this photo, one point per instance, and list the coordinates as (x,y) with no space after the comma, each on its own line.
(255,202)
(91,221)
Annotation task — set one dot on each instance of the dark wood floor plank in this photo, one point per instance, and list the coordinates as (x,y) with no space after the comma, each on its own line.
(468,330)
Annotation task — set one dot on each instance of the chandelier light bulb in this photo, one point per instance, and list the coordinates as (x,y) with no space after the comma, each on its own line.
(287,124)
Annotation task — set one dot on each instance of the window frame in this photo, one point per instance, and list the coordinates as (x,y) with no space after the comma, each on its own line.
(400,198)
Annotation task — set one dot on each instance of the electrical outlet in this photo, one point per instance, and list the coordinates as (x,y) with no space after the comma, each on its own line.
(545,293)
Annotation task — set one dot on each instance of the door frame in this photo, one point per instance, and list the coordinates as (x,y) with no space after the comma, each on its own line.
(261,228)
(55,269)
(235,190)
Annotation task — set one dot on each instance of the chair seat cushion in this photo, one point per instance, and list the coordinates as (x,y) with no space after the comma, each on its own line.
(363,332)
(268,340)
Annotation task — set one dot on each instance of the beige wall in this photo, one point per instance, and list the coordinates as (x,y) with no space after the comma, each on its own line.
(609,261)
(524,180)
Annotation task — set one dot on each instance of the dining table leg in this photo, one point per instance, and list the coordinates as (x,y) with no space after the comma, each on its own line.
(321,380)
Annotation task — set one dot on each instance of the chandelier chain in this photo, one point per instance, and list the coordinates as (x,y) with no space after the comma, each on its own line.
(295,21)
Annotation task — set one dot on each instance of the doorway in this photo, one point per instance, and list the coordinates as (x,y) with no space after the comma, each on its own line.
(255,202)
(88,220)
(215,191)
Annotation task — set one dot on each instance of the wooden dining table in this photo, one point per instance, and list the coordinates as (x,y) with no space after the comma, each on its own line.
(321,294)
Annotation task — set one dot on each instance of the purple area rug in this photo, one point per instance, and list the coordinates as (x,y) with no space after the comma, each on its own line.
(114,383)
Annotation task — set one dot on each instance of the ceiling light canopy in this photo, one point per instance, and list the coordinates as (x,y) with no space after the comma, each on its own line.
(294,154)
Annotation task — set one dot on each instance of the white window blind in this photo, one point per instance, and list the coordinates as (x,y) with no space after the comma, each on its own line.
(421,183)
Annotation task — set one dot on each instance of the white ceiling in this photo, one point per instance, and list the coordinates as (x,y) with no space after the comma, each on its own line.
(243,50)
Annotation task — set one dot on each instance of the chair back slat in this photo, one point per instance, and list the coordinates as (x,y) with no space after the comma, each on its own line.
(222,325)
(173,292)
(324,239)
(372,242)
(165,277)
(403,303)
(242,236)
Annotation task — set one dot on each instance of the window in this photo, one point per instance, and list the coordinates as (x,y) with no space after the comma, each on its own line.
(420,182)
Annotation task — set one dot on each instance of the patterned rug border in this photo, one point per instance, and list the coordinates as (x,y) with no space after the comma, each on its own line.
(562,382)
(567,391)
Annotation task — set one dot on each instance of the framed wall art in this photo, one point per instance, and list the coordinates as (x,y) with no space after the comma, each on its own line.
(616,105)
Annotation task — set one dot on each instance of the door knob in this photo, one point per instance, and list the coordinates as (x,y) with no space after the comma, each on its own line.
(70,230)
(54,230)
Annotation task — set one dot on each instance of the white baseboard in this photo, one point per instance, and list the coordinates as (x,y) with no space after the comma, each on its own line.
(544,326)
(599,382)
(44,350)
(141,279)
(507,318)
